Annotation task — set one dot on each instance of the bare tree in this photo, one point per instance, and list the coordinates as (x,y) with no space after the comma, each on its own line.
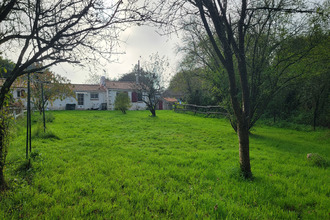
(247,40)
(47,87)
(54,31)
(151,84)
(50,32)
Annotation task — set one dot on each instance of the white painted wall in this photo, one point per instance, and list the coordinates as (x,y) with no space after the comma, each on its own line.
(108,97)
(60,104)
(90,103)
(134,105)
(111,99)
(14,92)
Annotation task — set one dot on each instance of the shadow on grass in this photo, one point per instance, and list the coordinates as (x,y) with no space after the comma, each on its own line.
(280,143)
(235,173)
(40,133)
(268,189)
(25,171)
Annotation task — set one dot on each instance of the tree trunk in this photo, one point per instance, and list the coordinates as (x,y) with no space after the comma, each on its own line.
(314,119)
(315,112)
(3,148)
(3,184)
(153,112)
(244,155)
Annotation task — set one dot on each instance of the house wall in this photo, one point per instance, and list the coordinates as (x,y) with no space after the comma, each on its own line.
(90,103)
(167,105)
(134,105)
(108,97)
(61,104)
(111,96)
(23,100)
(138,106)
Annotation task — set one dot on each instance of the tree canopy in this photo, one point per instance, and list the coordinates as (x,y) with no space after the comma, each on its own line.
(54,87)
(51,32)
(248,44)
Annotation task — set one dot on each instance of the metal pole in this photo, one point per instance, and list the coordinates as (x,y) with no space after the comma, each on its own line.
(29,97)
(43,105)
(28,119)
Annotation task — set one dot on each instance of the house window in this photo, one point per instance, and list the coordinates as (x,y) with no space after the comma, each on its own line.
(140,96)
(94,96)
(20,93)
(136,96)
(80,99)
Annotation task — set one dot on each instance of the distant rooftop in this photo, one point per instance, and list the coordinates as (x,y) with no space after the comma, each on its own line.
(171,99)
(120,85)
(87,87)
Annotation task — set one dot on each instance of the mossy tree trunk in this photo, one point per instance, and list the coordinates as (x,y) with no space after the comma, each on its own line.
(3,184)
(153,112)
(3,154)
(244,151)
(232,56)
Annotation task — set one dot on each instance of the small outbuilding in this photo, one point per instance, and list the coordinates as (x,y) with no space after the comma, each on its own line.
(168,103)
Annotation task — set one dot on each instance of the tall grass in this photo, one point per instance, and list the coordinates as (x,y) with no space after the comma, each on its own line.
(106,165)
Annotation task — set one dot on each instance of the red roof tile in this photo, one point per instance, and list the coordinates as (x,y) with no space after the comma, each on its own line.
(18,83)
(120,85)
(171,99)
(87,87)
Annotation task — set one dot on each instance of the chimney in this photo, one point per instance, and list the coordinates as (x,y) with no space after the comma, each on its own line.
(102,81)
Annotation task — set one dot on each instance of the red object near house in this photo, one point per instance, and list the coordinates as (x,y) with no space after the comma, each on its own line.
(160,105)
(134,97)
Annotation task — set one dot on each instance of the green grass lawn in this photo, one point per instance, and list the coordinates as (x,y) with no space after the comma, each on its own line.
(104,164)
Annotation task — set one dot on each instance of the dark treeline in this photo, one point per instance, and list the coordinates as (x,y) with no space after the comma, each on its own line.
(304,97)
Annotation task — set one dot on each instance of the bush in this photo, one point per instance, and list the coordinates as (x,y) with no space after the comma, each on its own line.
(122,102)
(317,160)
(50,117)
(37,118)
(38,132)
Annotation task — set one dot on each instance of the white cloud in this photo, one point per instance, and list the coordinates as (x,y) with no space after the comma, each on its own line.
(141,41)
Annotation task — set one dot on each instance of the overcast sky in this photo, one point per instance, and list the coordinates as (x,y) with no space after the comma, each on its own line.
(141,41)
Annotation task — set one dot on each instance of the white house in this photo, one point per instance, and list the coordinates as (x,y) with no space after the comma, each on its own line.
(115,87)
(90,96)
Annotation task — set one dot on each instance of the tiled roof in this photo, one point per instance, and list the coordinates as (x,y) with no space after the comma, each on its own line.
(18,83)
(87,87)
(171,99)
(120,85)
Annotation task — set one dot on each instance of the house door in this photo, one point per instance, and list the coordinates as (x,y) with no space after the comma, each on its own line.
(80,99)
(160,105)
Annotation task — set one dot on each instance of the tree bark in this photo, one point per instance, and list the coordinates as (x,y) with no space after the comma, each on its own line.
(244,145)
(153,112)
(3,184)
(315,117)
(232,54)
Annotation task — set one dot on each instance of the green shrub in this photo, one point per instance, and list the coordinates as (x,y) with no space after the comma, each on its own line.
(317,160)
(122,102)
(38,132)
(35,154)
(50,117)
(37,118)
